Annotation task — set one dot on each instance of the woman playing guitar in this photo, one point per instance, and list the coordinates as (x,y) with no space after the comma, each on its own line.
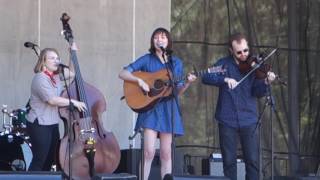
(156,121)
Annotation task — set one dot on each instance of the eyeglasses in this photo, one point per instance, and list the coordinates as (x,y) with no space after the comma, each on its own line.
(53,58)
(243,51)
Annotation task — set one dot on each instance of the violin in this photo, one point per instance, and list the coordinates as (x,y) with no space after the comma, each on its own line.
(257,65)
(251,63)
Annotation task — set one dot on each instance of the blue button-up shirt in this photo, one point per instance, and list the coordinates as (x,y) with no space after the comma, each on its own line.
(236,107)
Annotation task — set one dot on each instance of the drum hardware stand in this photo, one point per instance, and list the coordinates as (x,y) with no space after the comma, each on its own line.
(16,164)
(7,125)
(140,130)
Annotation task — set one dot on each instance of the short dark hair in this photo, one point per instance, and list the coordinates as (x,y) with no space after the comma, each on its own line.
(236,37)
(152,48)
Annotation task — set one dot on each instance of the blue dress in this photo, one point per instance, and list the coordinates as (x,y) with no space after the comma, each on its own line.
(159,117)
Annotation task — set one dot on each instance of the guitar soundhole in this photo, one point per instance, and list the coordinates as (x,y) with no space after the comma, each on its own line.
(158,84)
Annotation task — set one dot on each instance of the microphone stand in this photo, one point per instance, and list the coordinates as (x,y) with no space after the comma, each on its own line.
(269,101)
(32,46)
(141,150)
(170,68)
(272,109)
(71,110)
(35,51)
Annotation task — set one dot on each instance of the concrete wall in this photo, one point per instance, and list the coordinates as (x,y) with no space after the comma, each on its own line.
(109,34)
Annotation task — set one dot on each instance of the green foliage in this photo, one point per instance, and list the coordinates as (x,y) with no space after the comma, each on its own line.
(200,31)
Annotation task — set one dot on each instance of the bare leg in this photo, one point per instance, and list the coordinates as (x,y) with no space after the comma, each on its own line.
(165,153)
(150,137)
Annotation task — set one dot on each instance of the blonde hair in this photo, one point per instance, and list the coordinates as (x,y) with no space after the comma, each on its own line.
(42,59)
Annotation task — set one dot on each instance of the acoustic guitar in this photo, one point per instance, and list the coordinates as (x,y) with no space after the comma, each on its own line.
(160,87)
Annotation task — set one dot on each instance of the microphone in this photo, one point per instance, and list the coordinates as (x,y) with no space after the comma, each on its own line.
(62,65)
(30,45)
(161,46)
(166,51)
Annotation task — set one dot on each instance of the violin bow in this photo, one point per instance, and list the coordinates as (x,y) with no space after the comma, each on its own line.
(256,66)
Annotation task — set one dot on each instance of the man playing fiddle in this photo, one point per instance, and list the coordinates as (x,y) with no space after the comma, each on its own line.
(236,110)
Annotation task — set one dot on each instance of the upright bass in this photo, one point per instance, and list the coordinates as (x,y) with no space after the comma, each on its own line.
(91,148)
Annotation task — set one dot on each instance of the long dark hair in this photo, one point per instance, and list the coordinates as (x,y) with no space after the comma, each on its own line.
(152,48)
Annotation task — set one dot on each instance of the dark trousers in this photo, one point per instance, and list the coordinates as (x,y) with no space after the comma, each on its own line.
(44,140)
(250,148)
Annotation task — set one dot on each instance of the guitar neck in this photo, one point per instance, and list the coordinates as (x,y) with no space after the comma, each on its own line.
(213,70)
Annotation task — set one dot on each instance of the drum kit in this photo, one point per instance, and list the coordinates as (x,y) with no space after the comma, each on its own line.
(15,147)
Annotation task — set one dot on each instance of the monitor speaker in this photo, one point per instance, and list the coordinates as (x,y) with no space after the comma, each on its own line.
(31,175)
(295,178)
(214,167)
(130,162)
(183,177)
(121,176)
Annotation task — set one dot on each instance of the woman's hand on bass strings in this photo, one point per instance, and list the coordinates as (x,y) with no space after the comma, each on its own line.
(79,105)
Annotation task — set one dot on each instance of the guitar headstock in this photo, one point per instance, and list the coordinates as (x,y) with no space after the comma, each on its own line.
(67,31)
